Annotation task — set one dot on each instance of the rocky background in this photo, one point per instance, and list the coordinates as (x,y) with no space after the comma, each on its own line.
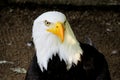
(65,2)
(101,24)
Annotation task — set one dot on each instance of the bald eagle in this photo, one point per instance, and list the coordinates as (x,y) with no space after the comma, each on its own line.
(59,55)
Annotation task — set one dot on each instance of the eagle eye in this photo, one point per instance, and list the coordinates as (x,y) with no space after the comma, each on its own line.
(47,23)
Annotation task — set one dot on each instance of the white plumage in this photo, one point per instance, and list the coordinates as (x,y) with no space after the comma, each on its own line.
(47,44)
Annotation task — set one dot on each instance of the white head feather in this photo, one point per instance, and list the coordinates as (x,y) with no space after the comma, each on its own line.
(48,44)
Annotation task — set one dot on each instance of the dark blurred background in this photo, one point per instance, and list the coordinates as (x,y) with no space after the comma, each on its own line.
(98,20)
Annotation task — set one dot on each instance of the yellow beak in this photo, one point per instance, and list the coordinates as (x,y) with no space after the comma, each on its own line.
(58,30)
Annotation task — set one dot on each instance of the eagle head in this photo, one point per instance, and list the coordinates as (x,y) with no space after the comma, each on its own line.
(53,35)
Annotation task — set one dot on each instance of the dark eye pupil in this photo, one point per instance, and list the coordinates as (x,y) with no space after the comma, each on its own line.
(48,22)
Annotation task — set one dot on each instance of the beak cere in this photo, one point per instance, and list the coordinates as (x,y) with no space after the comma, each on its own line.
(58,30)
